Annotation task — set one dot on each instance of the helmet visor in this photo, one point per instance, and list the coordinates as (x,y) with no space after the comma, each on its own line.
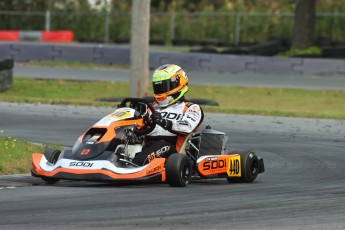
(160,87)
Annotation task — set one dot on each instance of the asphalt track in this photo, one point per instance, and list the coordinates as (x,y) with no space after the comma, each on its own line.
(303,186)
(336,82)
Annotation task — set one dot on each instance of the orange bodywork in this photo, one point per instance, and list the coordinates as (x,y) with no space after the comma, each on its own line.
(110,134)
(155,167)
(218,164)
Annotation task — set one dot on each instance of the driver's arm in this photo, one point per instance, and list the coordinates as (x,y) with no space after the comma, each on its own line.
(190,121)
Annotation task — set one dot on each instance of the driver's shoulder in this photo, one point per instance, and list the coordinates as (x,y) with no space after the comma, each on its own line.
(188,105)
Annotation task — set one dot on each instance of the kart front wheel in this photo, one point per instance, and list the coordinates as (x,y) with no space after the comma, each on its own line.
(178,169)
(50,180)
(249,166)
(52,156)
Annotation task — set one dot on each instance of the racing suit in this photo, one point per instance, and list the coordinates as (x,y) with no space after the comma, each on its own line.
(178,121)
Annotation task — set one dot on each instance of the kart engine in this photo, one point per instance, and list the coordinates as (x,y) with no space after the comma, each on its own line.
(212,142)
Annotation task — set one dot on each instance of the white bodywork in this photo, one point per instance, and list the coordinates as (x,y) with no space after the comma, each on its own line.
(117,115)
(75,164)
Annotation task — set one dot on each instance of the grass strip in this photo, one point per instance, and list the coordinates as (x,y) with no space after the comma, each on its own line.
(235,100)
(16,154)
(72,64)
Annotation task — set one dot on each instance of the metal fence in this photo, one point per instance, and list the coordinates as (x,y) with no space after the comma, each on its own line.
(224,28)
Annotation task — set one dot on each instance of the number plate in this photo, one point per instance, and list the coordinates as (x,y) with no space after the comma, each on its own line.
(234,166)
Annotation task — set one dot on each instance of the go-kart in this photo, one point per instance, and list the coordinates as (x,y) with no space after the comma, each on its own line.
(105,151)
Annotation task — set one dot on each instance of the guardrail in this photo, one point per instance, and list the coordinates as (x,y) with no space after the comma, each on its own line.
(120,55)
(6,73)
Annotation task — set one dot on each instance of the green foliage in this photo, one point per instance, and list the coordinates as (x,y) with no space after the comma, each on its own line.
(296,52)
(89,22)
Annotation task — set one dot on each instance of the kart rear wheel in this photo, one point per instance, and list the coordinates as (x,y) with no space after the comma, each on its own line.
(178,169)
(52,156)
(249,166)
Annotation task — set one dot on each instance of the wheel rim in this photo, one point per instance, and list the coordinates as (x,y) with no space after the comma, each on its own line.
(185,172)
(254,168)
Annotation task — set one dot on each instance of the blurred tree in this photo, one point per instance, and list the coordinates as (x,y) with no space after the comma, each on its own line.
(10,22)
(121,6)
(18,5)
(304,25)
(34,18)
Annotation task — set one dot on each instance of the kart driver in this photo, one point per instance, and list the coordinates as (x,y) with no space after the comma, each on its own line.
(175,117)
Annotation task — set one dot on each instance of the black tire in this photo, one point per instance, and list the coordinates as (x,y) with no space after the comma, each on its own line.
(52,156)
(178,169)
(50,180)
(249,166)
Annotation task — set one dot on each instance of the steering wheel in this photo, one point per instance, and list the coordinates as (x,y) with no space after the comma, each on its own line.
(149,125)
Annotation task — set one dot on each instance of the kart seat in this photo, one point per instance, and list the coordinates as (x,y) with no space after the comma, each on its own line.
(182,142)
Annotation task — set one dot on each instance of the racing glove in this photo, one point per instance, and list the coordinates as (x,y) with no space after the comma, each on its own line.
(159,120)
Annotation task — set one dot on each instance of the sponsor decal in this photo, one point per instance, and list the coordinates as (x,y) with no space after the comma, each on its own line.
(120,114)
(194,115)
(185,123)
(81,164)
(90,142)
(214,165)
(151,156)
(194,108)
(191,118)
(171,116)
(85,151)
(150,171)
(162,151)
(158,153)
